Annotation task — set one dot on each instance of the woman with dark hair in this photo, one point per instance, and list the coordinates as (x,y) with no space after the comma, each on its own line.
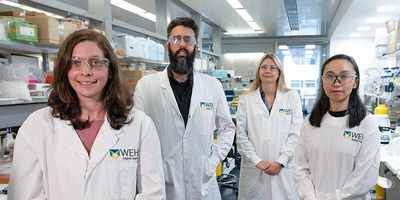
(268,120)
(337,156)
(89,143)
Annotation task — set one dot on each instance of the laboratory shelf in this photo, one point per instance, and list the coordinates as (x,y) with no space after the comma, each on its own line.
(14,112)
(26,48)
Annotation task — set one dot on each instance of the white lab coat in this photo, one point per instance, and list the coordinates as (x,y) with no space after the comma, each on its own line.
(50,161)
(271,137)
(335,162)
(189,155)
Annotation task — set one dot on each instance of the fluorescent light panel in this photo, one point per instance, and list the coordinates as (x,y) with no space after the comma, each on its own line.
(28,8)
(134,9)
(244,14)
(254,26)
(235,4)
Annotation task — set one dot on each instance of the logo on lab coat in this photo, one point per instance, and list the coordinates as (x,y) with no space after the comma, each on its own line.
(206,105)
(125,154)
(284,111)
(357,137)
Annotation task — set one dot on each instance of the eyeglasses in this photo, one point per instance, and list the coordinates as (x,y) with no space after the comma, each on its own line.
(177,39)
(271,68)
(95,64)
(342,78)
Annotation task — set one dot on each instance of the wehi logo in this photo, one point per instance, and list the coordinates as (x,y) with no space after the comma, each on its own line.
(206,105)
(357,137)
(285,111)
(125,154)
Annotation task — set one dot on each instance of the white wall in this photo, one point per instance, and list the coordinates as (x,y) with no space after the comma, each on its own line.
(361,49)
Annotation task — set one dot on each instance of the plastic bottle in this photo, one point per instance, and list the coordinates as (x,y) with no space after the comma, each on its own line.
(381,109)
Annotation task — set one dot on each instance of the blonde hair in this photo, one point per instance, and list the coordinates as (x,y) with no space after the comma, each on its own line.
(281,79)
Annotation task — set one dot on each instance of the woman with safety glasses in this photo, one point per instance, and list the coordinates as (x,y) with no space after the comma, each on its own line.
(89,143)
(268,120)
(337,156)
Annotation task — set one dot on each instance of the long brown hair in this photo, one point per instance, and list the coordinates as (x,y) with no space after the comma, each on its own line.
(63,99)
(281,79)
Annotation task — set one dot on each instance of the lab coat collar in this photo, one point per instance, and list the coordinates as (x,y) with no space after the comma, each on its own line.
(105,140)
(167,91)
(197,90)
(258,100)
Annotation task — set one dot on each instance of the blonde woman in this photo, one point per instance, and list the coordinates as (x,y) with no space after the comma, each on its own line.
(268,122)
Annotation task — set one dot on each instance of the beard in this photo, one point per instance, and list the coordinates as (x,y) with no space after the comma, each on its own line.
(181,65)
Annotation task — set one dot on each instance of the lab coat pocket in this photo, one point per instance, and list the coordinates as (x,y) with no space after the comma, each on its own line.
(207,122)
(284,122)
(123,180)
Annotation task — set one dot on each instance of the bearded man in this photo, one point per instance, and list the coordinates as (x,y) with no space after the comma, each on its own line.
(188,109)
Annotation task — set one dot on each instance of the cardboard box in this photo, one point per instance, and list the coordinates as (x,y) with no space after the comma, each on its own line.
(68,27)
(22,31)
(12,13)
(48,30)
(132,77)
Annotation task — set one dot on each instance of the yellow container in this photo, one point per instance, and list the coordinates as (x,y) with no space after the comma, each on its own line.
(218,170)
(380,192)
(381,109)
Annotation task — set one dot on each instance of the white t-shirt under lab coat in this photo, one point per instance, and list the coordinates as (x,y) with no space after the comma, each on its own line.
(334,162)
(50,161)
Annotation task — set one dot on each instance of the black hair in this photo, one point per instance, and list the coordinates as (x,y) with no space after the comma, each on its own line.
(183,21)
(356,110)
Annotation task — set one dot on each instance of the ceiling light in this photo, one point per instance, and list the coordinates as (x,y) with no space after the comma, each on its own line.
(377,20)
(235,3)
(310,46)
(254,26)
(245,15)
(127,6)
(10,3)
(385,8)
(285,52)
(28,8)
(149,16)
(283,47)
(362,28)
(134,9)
(355,35)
